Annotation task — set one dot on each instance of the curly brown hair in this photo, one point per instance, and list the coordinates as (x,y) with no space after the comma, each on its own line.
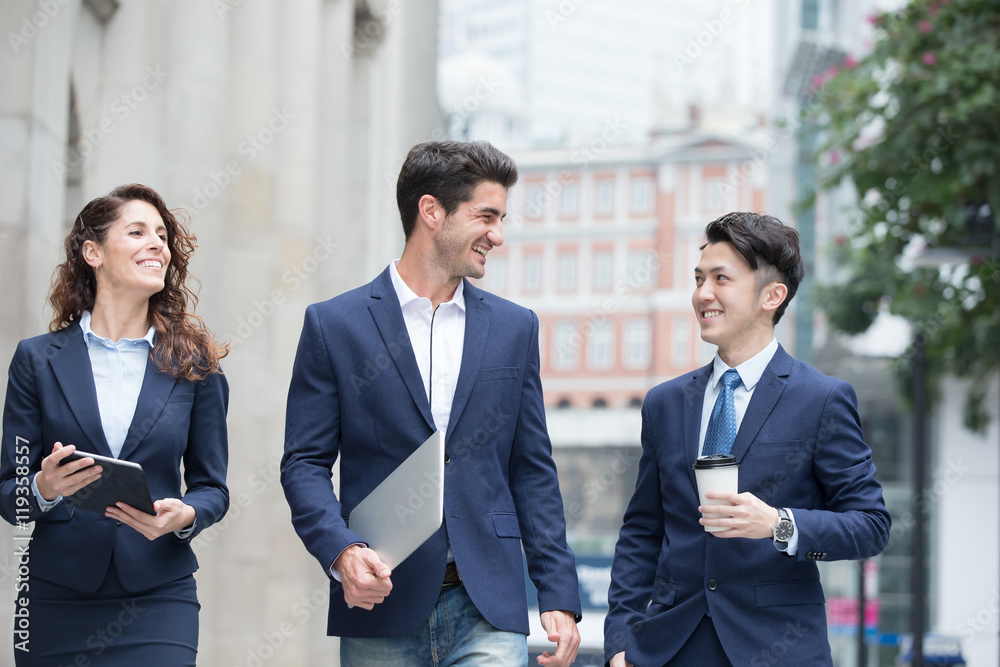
(184,346)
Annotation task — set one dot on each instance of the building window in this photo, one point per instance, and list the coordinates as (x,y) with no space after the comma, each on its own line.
(604,204)
(642,195)
(563,403)
(567,271)
(713,194)
(641,268)
(635,402)
(533,203)
(680,342)
(600,345)
(496,274)
(637,343)
(600,403)
(532,273)
(569,204)
(566,346)
(602,269)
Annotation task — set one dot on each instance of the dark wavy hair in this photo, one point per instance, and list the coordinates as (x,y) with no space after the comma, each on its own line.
(769,246)
(449,171)
(184,346)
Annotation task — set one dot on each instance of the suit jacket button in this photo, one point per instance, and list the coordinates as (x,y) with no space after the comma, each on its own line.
(712,584)
(447,458)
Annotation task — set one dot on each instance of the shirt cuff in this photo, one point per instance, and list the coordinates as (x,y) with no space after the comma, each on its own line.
(333,570)
(185,533)
(46,505)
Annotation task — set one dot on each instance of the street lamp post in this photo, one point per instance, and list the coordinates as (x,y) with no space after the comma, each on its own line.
(918,582)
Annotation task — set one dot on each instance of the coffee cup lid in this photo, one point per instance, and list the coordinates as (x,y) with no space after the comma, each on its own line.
(715,461)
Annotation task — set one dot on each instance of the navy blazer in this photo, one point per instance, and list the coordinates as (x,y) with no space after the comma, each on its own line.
(799,446)
(51,397)
(356,393)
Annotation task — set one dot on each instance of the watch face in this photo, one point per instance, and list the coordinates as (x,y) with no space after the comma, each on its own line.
(783,531)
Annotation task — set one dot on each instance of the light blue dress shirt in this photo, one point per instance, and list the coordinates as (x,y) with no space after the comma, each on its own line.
(119,369)
(750,372)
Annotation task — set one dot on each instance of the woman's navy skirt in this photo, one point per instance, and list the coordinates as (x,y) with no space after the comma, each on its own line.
(111,627)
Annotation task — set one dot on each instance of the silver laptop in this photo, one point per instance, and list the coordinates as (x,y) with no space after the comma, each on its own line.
(407,507)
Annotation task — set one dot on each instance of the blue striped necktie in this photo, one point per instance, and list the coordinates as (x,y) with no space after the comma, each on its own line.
(722,425)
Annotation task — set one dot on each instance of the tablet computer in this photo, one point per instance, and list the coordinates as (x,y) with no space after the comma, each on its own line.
(120,481)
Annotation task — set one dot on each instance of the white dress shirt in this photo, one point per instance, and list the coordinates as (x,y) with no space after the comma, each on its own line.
(750,372)
(437,338)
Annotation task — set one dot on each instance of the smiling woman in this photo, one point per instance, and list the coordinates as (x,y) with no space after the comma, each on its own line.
(129,372)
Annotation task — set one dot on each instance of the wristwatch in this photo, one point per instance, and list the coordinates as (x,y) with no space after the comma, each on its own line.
(784,529)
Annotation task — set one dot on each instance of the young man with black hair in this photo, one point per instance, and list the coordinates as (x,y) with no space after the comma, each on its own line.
(454,358)
(749,595)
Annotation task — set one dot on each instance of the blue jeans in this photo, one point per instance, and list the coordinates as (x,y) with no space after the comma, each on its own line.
(455,634)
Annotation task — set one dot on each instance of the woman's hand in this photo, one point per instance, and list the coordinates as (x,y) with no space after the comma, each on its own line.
(171,515)
(56,480)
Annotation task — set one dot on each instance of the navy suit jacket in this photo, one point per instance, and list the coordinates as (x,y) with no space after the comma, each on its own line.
(51,397)
(799,446)
(356,393)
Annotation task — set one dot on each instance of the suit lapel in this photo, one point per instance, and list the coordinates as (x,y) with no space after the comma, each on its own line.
(156,387)
(765,397)
(388,316)
(477,329)
(71,366)
(694,400)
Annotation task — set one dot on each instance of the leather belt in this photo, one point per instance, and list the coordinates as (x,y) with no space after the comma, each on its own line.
(451,576)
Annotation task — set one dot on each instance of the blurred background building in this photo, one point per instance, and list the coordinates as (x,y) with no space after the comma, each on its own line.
(280,127)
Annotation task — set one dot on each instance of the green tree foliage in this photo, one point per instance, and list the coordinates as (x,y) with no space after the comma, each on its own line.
(915,126)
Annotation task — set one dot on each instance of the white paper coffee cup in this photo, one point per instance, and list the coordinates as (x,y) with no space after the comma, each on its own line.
(719,472)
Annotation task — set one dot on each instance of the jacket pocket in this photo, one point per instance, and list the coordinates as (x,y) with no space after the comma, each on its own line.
(503,373)
(505,525)
(664,591)
(802,591)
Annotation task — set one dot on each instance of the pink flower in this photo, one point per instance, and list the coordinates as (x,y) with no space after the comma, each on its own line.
(925,26)
(929,58)
(831,73)
(818,81)
(873,18)
(834,157)
(850,62)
